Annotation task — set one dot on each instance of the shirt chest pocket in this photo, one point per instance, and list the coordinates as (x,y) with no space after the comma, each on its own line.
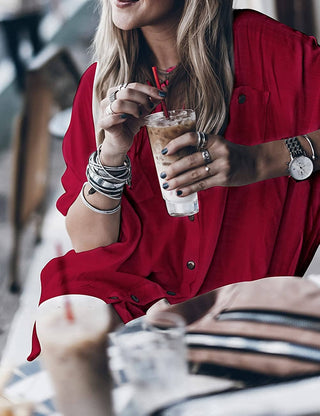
(248,115)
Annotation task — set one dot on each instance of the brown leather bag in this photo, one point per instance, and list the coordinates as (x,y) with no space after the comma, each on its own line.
(268,328)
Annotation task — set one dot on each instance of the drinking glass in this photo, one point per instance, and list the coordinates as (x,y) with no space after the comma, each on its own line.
(161,131)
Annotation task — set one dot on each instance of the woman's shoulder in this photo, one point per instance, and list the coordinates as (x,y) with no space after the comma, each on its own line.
(88,75)
(259,36)
(258,27)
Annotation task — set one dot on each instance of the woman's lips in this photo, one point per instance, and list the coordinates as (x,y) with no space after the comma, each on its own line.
(125,3)
(122,3)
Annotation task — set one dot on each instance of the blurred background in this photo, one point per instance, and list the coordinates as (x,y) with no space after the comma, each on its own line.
(43,52)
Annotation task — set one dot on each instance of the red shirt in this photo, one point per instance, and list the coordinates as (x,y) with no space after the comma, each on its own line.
(270,228)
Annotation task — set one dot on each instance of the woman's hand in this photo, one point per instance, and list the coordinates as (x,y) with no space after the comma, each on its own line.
(121,117)
(231,164)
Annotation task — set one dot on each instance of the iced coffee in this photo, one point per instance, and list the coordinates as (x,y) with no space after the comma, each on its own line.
(74,354)
(161,131)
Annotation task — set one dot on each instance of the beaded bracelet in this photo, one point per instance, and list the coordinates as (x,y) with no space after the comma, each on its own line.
(97,210)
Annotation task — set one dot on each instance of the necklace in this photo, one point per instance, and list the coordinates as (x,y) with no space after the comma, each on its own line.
(165,74)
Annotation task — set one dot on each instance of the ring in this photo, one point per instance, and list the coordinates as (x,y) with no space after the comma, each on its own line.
(113,96)
(202,140)
(109,111)
(206,157)
(207,169)
(123,86)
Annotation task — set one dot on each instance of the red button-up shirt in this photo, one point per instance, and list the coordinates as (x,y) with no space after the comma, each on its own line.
(270,228)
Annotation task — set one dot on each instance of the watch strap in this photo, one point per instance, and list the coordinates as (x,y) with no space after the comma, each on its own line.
(294,147)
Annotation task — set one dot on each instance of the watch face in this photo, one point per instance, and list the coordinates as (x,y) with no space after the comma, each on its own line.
(300,168)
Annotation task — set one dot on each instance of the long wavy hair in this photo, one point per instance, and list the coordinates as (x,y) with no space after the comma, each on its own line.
(202,80)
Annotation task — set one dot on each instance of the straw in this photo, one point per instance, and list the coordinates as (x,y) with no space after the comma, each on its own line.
(156,78)
(67,303)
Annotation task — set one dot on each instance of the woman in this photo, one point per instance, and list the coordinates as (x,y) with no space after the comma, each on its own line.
(254,83)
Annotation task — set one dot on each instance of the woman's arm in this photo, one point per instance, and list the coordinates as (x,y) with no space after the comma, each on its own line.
(273,157)
(88,222)
(232,164)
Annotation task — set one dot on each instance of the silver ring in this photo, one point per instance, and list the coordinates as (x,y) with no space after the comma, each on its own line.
(206,157)
(109,111)
(202,140)
(123,86)
(113,96)
(207,169)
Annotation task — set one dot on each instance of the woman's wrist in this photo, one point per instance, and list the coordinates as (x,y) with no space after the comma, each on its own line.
(272,160)
(111,153)
(273,157)
(112,158)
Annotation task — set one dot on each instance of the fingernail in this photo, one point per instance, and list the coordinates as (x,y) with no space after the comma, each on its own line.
(179,193)
(162,93)
(164,151)
(163,175)
(124,115)
(151,105)
(165,185)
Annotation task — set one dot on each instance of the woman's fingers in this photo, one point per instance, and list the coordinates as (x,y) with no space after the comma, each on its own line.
(188,165)
(138,99)
(133,101)
(144,95)
(186,139)
(200,170)
(198,179)
(223,163)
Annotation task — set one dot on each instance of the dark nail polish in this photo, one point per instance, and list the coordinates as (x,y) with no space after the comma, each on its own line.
(164,151)
(163,175)
(165,185)
(179,193)
(162,94)
(151,105)
(124,115)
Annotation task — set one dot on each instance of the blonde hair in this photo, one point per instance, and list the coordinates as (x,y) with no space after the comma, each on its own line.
(203,79)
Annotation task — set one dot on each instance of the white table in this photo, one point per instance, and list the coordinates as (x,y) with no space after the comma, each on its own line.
(31,383)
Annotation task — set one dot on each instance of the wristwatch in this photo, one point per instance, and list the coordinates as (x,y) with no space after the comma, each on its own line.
(300,166)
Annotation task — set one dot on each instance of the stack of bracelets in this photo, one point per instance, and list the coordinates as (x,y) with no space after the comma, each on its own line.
(107,180)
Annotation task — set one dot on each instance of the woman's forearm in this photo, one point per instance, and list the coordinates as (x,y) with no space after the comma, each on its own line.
(88,229)
(231,164)
(273,157)
(110,169)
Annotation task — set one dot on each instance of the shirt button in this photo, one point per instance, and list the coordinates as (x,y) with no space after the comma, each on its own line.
(242,99)
(113,297)
(171,293)
(135,298)
(191,217)
(191,265)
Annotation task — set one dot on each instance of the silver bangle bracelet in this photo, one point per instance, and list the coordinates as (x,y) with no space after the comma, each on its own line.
(117,174)
(97,210)
(102,191)
(313,157)
(103,182)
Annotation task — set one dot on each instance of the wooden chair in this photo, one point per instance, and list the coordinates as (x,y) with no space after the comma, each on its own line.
(51,81)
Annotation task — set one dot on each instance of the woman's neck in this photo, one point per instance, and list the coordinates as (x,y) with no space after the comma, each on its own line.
(162,40)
